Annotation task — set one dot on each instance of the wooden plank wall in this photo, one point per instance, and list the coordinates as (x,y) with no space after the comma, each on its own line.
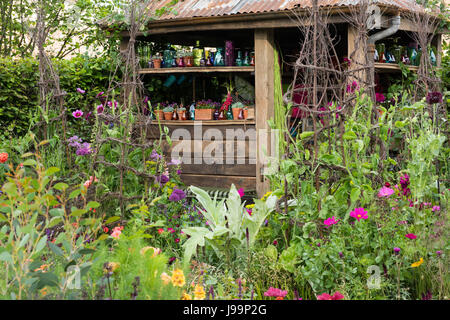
(207,167)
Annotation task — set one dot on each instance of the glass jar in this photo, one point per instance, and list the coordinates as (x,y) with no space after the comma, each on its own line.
(169,57)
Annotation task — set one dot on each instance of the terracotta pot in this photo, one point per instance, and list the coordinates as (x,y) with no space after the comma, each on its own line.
(157,63)
(245,113)
(204,114)
(181,115)
(168,115)
(159,114)
(236,112)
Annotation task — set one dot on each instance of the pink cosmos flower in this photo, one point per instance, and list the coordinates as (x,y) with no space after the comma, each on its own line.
(436,208)
(171,230)
(81,91)
(274,292)
(77,114)
(411,236)
(385,192)
(336,296)
(330,221)
(359,213)
(241,192)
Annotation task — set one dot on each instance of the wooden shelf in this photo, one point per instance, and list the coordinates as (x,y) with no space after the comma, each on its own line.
(204,122)
(392,67)
(197,70)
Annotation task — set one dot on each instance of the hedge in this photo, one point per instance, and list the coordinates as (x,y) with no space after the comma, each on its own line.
(19,86)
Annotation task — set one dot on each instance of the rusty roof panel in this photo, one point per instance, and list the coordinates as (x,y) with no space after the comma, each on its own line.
(211,8)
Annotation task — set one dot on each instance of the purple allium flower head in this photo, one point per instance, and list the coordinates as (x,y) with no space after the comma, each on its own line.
(438,253)
(177,195)
(162,179)
(434,97)
(81,91)
(396,250)
(178,172)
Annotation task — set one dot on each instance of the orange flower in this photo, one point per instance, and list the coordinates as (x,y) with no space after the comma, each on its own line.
(279,298)
(42,268)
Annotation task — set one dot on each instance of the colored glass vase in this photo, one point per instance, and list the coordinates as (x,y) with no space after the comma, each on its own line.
(169,57)
(229,53)
(197,52)
(239,59)
(219,58)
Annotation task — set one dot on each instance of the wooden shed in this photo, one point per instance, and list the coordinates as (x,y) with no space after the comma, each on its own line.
(260,26)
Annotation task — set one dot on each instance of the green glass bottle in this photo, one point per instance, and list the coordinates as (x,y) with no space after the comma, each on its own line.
(229,114)
(239,59)
(198,52)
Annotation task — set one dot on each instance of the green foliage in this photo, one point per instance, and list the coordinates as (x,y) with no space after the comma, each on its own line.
(19,90)
(230,230)
(31,205)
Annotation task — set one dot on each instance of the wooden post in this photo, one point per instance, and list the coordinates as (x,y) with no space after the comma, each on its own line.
(438,44)
(358,58)
(264,99)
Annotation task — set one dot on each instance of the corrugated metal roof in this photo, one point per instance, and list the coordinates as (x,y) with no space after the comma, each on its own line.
(210,8)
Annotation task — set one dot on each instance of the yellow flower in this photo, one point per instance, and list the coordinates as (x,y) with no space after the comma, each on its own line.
(178,279)
(186,296)
(417,263)
(165,278)
(199,292)
(351,182)
(264,198)
(112,266)
(169,191)
(156,251)
(250,206)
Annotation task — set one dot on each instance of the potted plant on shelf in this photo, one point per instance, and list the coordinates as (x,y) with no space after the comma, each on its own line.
(237,108)
(157,61)
(159,113)
(204,110)
(181,113)
(168,112)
